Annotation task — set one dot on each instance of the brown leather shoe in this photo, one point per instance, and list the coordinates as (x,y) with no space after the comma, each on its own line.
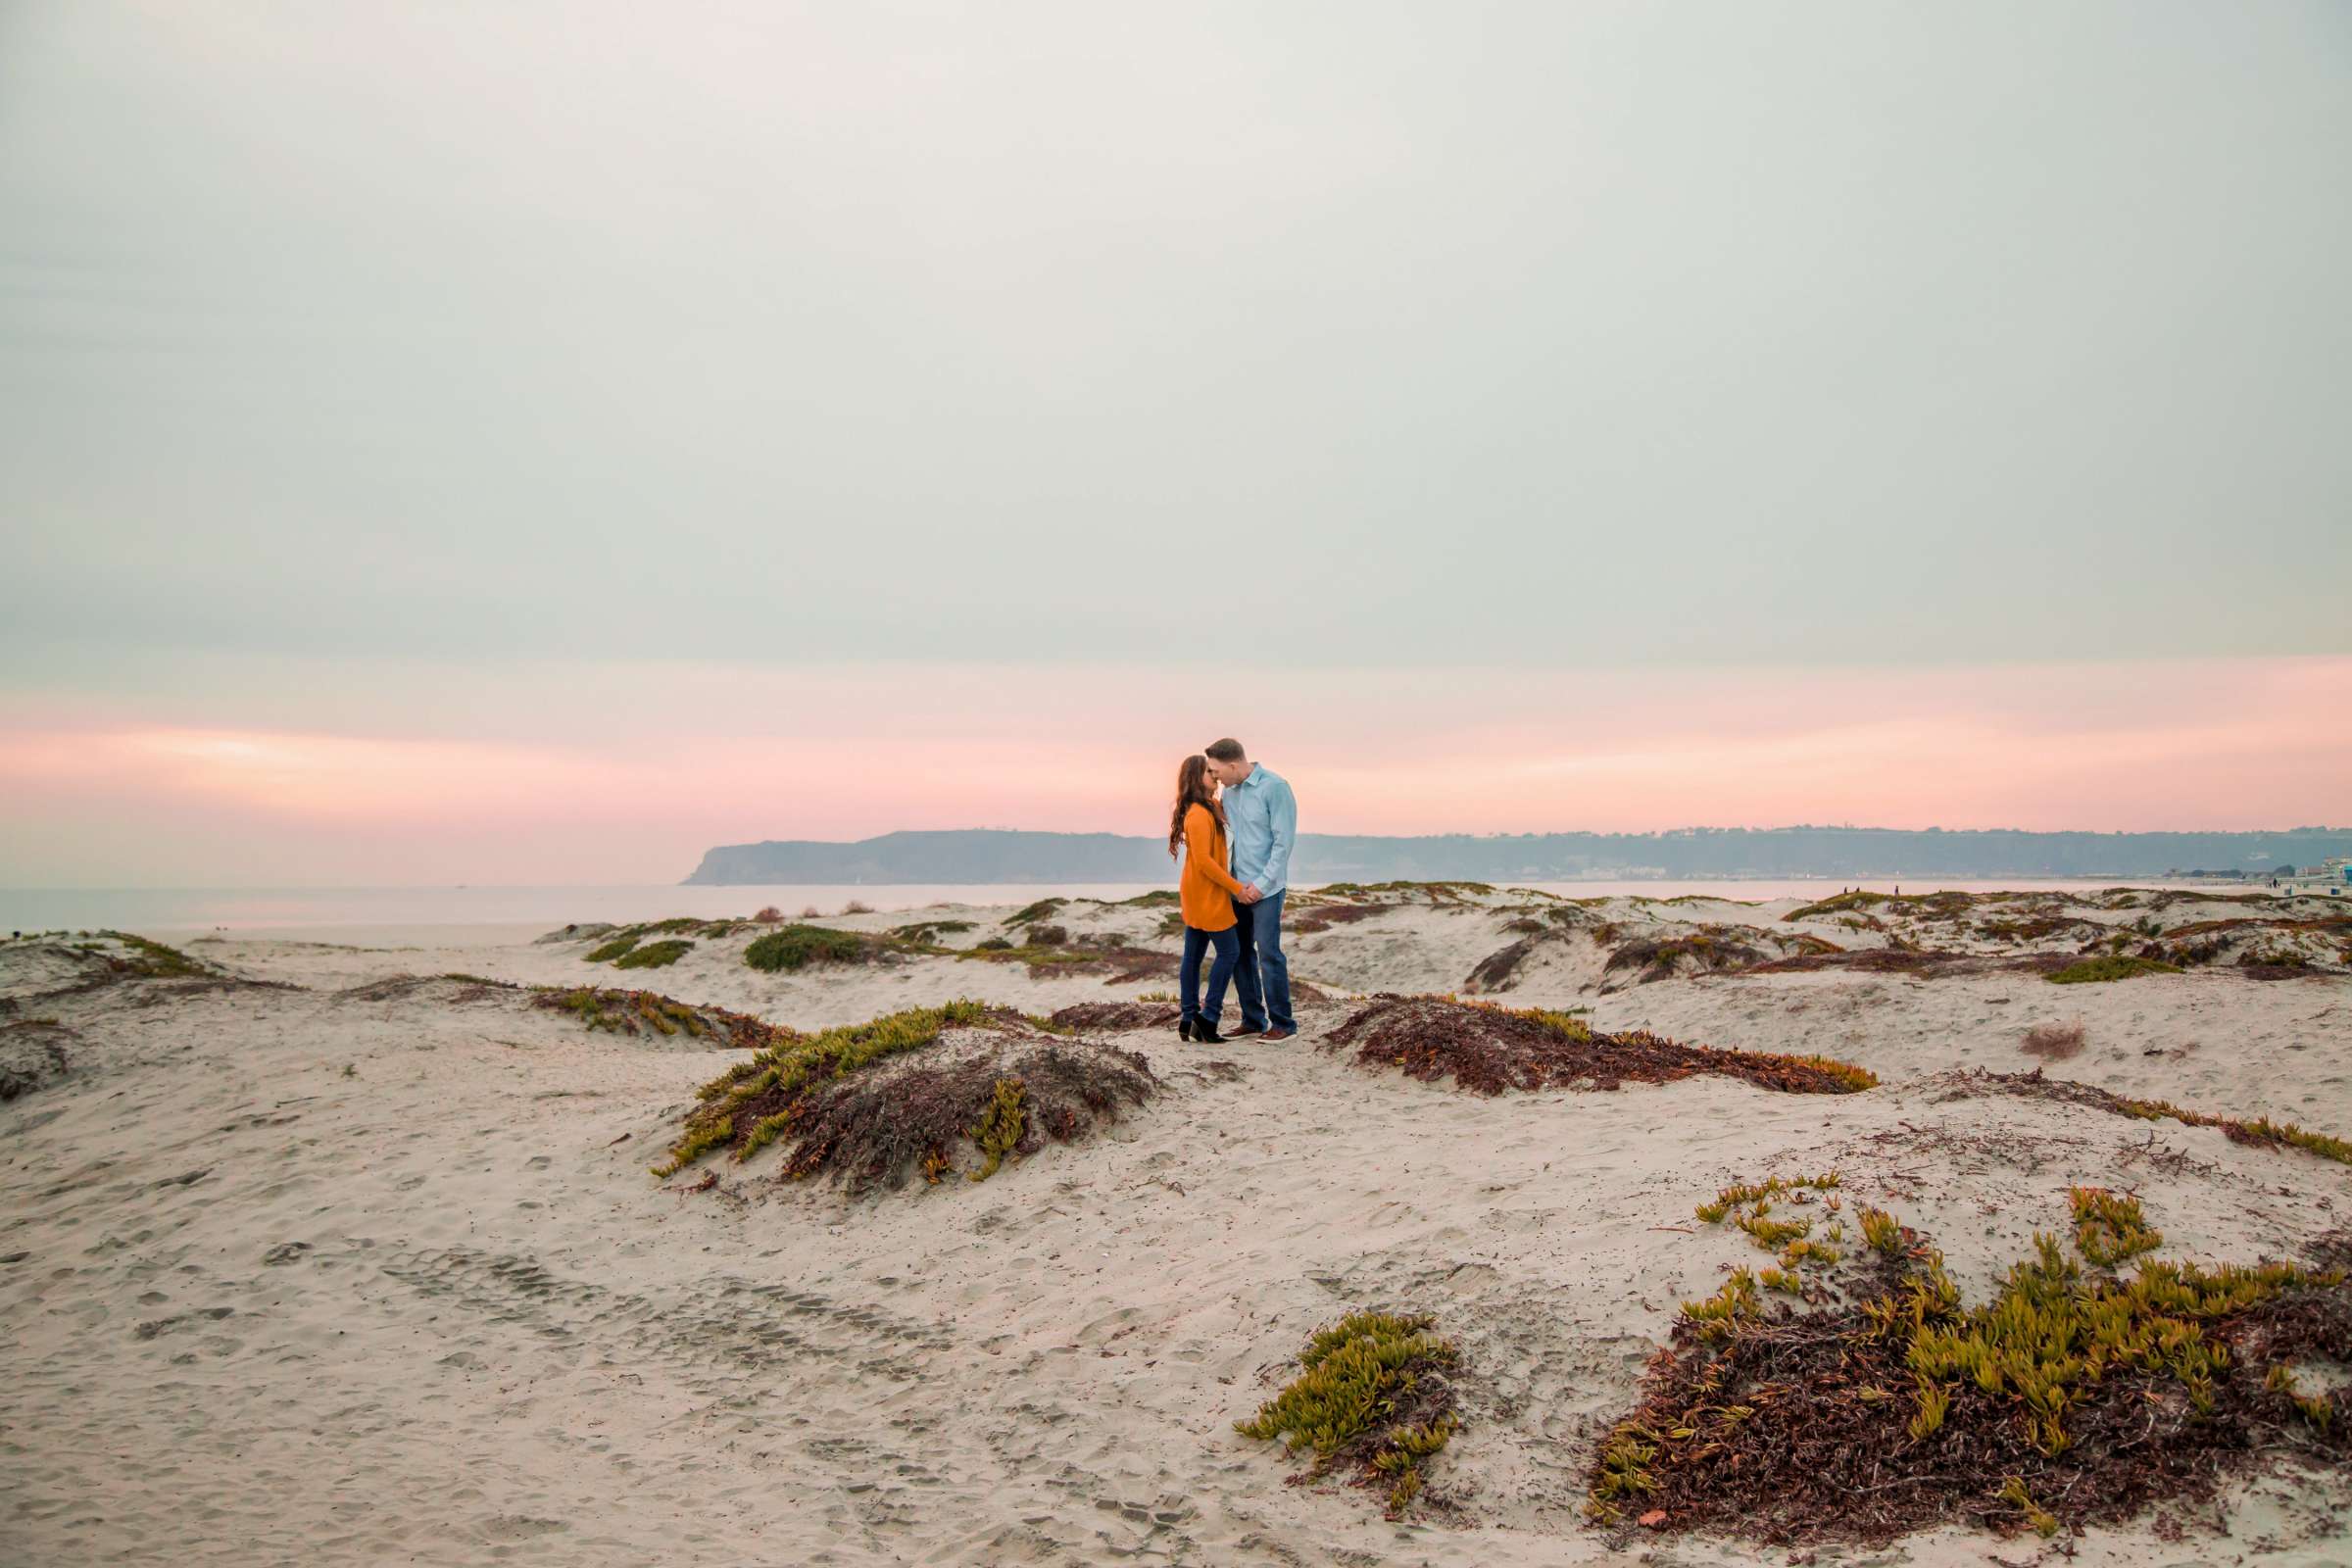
(1245,1030)
(1272,1035)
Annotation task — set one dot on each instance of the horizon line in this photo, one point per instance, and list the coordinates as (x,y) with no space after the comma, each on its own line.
(1651,833)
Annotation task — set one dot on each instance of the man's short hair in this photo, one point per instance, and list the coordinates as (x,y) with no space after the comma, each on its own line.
(1227,750)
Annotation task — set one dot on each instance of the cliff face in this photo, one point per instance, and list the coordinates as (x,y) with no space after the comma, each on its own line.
(982,856)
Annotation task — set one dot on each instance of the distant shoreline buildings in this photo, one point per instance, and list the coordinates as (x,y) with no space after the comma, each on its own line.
(2331,879)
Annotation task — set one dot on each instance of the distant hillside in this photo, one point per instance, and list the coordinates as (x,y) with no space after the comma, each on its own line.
(988,856)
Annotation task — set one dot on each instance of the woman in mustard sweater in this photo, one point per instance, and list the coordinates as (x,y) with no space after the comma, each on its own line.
(1205,892)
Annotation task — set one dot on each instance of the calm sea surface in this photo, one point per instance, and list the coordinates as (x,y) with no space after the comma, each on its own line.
(470,915)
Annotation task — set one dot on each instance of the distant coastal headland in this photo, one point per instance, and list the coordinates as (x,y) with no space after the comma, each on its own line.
(999,855)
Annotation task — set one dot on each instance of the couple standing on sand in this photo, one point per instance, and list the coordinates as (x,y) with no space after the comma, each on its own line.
(1235,910)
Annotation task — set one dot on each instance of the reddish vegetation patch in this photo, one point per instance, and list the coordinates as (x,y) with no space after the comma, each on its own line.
(2341,923)
(1709,952)
(1117,965)
(1115,1016)
(1918,963)
(1802,1428)
(1324,916)
(874,1128)
(1488,1049)
(2207,942)
(2173,895)
(1133,965)
(1497,971)
(2042,927)
(2053,1042)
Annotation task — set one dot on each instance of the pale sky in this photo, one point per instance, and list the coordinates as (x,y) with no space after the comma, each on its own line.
(535,442)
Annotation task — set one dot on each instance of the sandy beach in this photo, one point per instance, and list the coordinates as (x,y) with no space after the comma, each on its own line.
(314,1253)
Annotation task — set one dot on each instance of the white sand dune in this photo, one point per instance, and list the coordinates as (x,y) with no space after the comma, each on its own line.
(338,1271)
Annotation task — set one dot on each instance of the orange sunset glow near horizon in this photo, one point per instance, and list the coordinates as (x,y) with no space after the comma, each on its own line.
(140,801)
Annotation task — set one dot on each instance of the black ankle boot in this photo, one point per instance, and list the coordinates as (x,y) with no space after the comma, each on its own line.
(1205,1035)
(1184,1028)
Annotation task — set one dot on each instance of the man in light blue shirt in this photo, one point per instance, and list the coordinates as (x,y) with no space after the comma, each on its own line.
(1261,818)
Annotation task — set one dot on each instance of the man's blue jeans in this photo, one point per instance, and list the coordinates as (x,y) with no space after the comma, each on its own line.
(1263,977)
(1196,941)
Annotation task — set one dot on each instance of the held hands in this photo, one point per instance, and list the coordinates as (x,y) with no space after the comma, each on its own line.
(1250,892)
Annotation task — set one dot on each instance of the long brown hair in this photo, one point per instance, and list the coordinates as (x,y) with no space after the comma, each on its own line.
(1192,789)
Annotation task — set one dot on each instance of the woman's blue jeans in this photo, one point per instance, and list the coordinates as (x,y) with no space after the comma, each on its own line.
(1228,944)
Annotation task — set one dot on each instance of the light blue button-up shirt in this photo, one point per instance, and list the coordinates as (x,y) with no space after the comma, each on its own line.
(1261,814)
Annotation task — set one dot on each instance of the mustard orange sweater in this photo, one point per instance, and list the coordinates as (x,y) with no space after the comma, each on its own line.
(1206,889)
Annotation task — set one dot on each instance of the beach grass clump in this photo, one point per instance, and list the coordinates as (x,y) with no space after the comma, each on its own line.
(1750,1206)
(798,946)
(1946,905)
(107,956)
(2039,929)
(649,1012)
(2072,1396)
(1374,1397)
(1001,1124)
(2245,1130)
(33,1054)
(1706,951)
(2109,966)
(1914,962)
(867,1103)
(1839,903)
(617,943)
(2319,1409)
(772,1081)
(2110,1230)
(2013,1492)
(1714,1318)
(2053,1042)
(1117,962)
(153,960)
(1116,1017)
(1004,1097)
(1031,913)
(2257,1131)
(1859,901)
(1322,917)
(1036,955)
(1441,891)
(654,955)
(926,933)
(1487,1047)
(1499,970)
(1756,1196)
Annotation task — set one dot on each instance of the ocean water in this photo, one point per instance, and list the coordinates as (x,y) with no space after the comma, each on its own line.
(467,915)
